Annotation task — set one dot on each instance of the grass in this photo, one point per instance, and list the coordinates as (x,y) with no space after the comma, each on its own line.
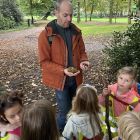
(118,20)
(101,29)
(98,26)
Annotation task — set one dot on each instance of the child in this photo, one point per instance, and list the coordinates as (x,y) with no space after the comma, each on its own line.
(84,122)
(129,125)
(38,122)
(10,115)
(122,95)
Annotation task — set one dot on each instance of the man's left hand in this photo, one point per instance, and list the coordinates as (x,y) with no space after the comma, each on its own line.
(84,65)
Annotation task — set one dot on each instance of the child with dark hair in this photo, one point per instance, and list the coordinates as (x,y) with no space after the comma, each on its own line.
(38,122)
(10,114)
(84,122)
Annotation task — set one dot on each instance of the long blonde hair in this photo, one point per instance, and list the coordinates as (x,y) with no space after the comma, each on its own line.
(86,101)
(129,125)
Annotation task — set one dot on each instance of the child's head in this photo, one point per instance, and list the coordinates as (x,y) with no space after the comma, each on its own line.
(129,125)
(38,122)
(126,77)
(86,100)
(10,107)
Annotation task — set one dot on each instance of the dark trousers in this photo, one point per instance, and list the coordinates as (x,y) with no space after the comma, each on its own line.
(64,102)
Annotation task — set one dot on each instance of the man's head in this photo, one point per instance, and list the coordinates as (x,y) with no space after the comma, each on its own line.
(63,12)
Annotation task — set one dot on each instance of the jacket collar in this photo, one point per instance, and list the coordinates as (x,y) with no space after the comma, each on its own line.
(52,29)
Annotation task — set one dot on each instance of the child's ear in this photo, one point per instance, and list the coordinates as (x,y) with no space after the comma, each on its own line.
(133,82)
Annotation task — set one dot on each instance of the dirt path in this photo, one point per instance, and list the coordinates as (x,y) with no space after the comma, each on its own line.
(20,70)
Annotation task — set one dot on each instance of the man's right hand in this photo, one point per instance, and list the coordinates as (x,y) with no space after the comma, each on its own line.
(70,74)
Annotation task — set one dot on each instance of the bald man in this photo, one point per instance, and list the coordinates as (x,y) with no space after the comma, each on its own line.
(61,46)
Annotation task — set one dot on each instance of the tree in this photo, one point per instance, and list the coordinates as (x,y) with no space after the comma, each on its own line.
(92,7)
(31,10)
(123,50)
(37,7)
(85,6)
(129,11)
(111,10)
(78,12)
(9,9)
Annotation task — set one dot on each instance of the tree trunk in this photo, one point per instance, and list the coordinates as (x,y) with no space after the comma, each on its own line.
(91,12)
(31,12)
(111,11)
(129,11)
(85,11)
(78,12)
(116,12)
(138,5)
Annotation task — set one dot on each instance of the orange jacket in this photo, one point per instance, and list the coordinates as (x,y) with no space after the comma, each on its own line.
(53,59)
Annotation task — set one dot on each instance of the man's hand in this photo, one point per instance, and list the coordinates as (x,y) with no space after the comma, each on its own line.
(84,65)
(70,74)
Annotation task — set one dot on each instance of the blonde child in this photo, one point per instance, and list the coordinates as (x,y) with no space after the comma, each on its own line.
(122,95)
(84,122)
(10,115)
(129,125)
(38,122)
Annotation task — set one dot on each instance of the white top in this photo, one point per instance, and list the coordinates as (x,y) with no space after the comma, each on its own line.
(80,123)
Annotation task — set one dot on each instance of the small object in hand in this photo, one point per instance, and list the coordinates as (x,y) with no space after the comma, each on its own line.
(72,69)
(86,65)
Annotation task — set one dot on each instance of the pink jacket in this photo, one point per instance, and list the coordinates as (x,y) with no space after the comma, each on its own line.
(12,129)
(118,107)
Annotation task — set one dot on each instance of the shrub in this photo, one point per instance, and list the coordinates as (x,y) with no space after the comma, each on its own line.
(10,14)
(123,50)
(6,23)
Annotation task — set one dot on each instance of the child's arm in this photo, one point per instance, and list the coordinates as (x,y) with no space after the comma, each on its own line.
(68,130)
(9,127)
(137,107)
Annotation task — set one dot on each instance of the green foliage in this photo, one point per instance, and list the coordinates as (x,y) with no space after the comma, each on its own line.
(36,7)
(9,14)
(6,23)
(124,50)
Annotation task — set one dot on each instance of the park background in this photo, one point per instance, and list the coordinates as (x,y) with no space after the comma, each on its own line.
(111,32)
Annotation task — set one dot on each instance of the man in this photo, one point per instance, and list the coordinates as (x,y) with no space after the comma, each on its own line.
(61,46)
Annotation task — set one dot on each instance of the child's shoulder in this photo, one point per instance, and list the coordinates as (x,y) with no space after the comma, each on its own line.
(9,127)
(16,131)
(5,127)
(78,117)
(113,87)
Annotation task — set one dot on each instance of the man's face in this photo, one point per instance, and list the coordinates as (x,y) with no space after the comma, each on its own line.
(64,15)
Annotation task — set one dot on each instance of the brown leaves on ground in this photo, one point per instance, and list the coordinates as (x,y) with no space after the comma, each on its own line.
(20,70)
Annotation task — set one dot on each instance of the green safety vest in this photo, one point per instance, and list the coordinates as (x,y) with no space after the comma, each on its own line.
(112,118)
(5,137)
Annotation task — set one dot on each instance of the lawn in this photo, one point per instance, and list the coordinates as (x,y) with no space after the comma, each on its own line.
(99,26)
(118,20)
(103,29)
